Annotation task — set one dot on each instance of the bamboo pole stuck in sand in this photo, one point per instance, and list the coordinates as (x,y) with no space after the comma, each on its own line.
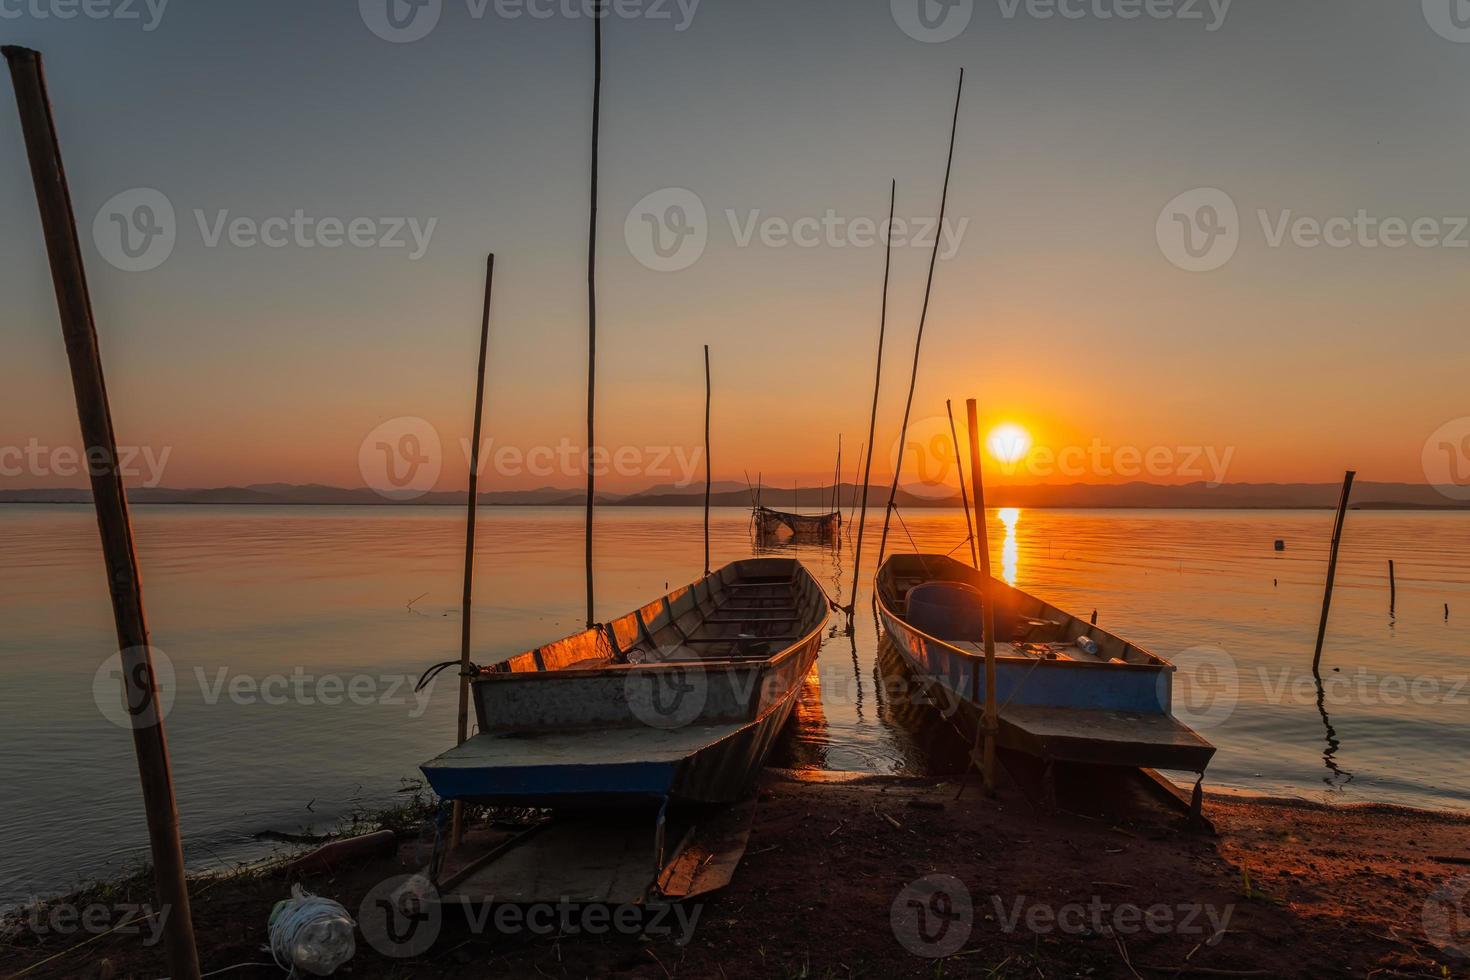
(78,327)
(592,294)
(857,558)
(923,318)
(1342,505)
(456,831)
(991,722)
(708,472)
(954,440)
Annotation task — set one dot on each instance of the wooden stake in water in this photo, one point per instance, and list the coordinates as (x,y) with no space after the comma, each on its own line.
(456,831)
(1393,592)
(991,722)
(923,318)
(708,472)
(857,557)
(119,555)
(964,498)
(1342,505)
(592,294)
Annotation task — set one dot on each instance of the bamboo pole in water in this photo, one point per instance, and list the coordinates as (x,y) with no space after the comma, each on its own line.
(857,558)
(592,295)
(923,318)
(708,472)
(991,722)
(1342,505)
(456,832)
(1393,592)
(964,498)
(79,329)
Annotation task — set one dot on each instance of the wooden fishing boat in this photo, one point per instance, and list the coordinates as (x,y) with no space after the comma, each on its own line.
(1067,690)
(678,700)
(802,527)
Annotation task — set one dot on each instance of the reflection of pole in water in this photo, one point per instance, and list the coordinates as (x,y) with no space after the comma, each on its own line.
(857,676)
(1333,744)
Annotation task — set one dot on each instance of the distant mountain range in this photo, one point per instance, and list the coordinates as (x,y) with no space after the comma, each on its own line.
(728,493)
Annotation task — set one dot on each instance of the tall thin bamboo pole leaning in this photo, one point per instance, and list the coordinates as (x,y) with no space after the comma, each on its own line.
(991,722)
(857,558)
(456,831)
(708,471)
(923,318)
(1342,505)
(597,13)
(79,329)
(954,440)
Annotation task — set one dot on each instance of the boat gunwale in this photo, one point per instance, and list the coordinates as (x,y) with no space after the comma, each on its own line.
(622,669)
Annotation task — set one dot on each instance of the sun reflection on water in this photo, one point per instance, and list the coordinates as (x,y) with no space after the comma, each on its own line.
(1009,516)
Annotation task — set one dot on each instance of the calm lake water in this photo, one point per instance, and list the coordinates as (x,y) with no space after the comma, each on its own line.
(295,634)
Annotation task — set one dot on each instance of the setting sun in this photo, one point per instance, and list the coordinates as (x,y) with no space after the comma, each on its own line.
(1008,443)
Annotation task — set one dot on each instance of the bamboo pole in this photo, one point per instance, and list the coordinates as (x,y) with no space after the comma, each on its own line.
(456,832)
(78,327)
(1342,505)
(857,557)
(964,498)
(708,472)
(991,721)
(592,296)
(1393,592)
(923,318)
(837,478)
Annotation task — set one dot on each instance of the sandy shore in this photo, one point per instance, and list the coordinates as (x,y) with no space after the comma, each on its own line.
(896,878)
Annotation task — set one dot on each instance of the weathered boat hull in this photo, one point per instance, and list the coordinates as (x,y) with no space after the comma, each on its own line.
(679,700)
(1111,709)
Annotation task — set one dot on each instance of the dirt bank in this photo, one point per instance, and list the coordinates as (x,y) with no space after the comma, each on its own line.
(895,878)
